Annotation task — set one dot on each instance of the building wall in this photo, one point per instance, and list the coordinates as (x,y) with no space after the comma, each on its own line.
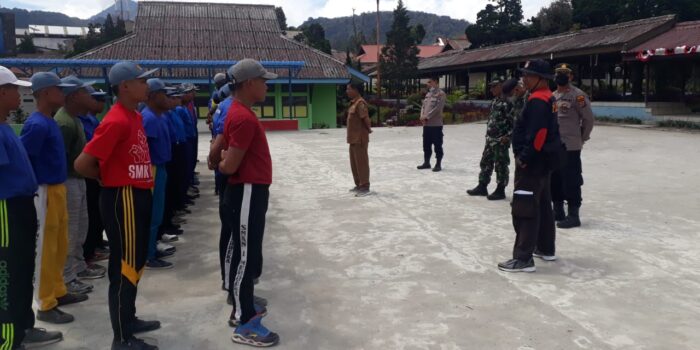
(323,109)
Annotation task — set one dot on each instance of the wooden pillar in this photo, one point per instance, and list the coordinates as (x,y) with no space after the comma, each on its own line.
(592,71)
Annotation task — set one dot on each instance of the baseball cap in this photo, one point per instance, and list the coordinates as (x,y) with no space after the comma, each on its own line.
(538,67)
(225,92)
(43,80)
(496,81)
(76,84)
(127,70)
(247,69)
(219,78)
(188,87)
(95,93)
(155,85)
(509,85)
(7,77)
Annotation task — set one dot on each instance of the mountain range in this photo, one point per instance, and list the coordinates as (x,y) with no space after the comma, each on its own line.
(339,30)
(23,18)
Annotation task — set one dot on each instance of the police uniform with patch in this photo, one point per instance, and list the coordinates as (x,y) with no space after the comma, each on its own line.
(575,125)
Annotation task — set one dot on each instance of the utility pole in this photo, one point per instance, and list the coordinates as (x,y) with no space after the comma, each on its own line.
(379,69)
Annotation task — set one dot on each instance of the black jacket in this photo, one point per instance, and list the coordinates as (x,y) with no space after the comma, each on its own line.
(536,129)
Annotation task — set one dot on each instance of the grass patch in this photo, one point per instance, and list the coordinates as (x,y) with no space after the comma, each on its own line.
(679,124)
(625,120)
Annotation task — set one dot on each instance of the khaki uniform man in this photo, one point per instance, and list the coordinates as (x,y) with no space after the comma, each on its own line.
(359,128)
(431,117)
(575,125)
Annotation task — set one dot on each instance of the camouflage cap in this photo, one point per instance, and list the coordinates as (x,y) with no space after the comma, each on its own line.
(497,80)
(563,67)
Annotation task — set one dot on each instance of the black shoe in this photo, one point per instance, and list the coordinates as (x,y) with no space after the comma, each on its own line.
(158,264)
(132,344)
(572,220)
(55,316)
(479,190)
(141,326)
(36,337)
(163,255)
(71,298)
(438,167)
(559,214)
(498,194)
(515,265)
(424,166)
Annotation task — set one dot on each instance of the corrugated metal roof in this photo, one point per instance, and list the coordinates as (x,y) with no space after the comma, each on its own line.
(683,34)
(214,31)
(612,38)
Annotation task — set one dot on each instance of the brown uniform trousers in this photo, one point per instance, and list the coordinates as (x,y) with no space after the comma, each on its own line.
(358,139)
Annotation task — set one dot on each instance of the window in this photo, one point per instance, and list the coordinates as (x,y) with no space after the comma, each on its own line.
(301,106)
(301,88)
(265,109)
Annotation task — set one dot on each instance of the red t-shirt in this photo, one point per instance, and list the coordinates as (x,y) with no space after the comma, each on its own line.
(244,131)
(121,146)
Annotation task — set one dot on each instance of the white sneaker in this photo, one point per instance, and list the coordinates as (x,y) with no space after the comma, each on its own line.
(169,238)
(544,257)
(164,247)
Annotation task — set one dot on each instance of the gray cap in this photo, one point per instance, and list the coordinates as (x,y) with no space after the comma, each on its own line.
(188,87)
(155,85)
(43,80)
(76,83)
(95,93)
(219,78)
(127,70)
(249,69)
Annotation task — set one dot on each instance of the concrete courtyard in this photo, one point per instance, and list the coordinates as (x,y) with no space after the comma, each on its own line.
(414,265)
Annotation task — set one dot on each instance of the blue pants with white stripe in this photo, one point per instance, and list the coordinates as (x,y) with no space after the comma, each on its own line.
(161,179)
(246,207)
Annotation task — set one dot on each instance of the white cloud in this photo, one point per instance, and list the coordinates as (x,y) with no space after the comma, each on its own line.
(298,11)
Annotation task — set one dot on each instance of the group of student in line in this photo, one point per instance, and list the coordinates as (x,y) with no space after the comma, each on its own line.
(69,177)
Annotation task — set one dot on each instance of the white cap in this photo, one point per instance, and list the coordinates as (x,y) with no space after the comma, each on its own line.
(7,77)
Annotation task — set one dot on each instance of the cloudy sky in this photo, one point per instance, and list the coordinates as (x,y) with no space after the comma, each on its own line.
(296,10)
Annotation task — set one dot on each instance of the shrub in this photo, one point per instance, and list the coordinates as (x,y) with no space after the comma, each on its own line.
(623,120)
(679,124)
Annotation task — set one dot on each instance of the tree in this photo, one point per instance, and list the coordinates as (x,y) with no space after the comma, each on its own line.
(108,32)
(595,13)
(498,23)
(553,19)
(418,33)
(399,58)
(315,36)
(26,45)
(281,18)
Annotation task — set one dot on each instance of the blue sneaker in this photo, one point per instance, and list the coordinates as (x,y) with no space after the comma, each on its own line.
(253,333)
(259,311)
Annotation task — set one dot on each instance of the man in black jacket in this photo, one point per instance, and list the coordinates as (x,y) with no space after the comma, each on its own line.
(536,133)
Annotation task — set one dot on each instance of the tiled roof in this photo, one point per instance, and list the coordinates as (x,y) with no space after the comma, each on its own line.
(214,31)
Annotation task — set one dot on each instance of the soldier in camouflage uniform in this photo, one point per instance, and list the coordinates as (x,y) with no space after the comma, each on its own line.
(518,98)
(498,135)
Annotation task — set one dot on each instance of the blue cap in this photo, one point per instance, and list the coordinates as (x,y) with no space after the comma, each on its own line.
(225,92)
(155,85)
(43,80)
(127,70)
(174,91)
(76,83)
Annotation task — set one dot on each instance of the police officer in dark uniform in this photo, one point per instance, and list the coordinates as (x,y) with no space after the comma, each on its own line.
(535,137)
(575,126)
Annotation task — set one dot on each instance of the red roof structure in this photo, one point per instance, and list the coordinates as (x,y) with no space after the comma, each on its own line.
(368,55)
